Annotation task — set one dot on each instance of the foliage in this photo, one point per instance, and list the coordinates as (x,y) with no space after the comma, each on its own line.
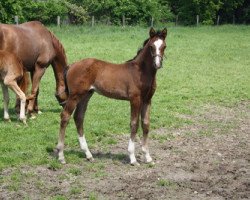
(44,11)
(8,9)
(27,10)
(135,11)
(77,14)
(209,9)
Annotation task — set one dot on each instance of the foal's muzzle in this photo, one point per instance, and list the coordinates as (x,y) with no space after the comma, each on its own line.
(157,61)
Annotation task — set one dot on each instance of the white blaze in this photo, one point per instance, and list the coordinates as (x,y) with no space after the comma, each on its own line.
(158,44)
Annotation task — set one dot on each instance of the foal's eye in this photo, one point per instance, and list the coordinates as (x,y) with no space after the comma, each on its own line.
(152,48)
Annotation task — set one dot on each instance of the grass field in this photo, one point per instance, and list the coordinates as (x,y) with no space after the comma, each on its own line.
(203,65)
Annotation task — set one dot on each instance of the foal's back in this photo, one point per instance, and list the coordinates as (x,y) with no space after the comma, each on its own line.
(10,65)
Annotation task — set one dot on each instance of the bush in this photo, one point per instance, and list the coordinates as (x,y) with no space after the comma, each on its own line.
(77,14)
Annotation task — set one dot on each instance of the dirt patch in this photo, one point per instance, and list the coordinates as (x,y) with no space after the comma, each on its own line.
(209,159)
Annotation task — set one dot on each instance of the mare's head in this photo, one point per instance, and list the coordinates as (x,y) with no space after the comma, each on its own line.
(157,45)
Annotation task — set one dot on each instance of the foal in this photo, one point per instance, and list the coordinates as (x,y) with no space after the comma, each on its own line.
(134,81)
(12,76)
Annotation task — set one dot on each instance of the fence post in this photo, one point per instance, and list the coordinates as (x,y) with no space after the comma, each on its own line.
(93,21)
(152,22)
(176,20)
(197,20)
(108,21)
(16,19)
(218,20)
(58,21)
(123,20)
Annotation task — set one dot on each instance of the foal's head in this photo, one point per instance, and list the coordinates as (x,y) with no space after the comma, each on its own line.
(157,46)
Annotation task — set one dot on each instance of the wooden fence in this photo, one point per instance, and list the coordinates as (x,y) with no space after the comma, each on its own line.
(124,20)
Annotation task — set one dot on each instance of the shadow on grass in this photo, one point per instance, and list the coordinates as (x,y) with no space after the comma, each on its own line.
(51,110)
(123,158)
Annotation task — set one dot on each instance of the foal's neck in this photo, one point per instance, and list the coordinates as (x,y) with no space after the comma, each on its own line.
(145,62)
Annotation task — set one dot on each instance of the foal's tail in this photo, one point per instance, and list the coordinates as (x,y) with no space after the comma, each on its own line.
(65,80)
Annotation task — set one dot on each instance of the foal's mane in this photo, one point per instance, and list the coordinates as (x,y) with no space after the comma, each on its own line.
(157,34)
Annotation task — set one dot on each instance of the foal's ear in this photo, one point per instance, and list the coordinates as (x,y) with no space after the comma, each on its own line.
(164,32)
(152,32)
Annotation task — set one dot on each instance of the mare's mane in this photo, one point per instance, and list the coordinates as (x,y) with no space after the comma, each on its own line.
(59,48)
(157,34)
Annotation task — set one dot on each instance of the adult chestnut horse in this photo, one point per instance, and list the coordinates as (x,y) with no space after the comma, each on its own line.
(37,48)
(134,81)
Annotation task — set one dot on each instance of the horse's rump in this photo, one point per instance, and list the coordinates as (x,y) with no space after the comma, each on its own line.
(28,41)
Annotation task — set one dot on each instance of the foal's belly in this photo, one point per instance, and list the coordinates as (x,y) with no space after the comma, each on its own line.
(111,92)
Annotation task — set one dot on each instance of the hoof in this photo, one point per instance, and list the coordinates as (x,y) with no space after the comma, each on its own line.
(62,161)
(151,163)
(7,120)
(55,152)
(32,116)
(135,163)
(23,121)
(39,112)
(91,159)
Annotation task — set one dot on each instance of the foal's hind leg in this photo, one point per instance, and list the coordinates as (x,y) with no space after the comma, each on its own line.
(145,122)
(65,117)
(5,102)
(79,118)
(13,85)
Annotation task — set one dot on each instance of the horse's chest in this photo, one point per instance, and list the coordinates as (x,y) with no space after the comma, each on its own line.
(148,91)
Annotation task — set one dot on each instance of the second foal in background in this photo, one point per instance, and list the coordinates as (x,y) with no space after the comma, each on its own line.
(134,81)
(13,76)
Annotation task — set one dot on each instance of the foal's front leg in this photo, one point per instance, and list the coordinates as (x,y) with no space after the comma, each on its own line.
(135,110)
(13,85)
(65,117)
(145,122)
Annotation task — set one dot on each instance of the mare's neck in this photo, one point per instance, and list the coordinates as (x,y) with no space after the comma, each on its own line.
(59,68)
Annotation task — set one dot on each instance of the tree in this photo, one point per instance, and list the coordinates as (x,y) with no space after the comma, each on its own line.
(8,9)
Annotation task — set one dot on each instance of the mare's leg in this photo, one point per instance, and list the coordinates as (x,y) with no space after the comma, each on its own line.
(5,102)
(79,118)
(36,77)
(145,122)
(65,116)
(135,104)
(13,85)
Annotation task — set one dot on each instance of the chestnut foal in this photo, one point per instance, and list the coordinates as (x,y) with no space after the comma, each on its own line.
(12,75)
(134,80)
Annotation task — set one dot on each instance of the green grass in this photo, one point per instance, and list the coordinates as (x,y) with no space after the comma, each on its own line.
(203,65)
(166,183)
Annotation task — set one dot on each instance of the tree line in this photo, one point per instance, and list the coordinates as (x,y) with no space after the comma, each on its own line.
(136,11)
